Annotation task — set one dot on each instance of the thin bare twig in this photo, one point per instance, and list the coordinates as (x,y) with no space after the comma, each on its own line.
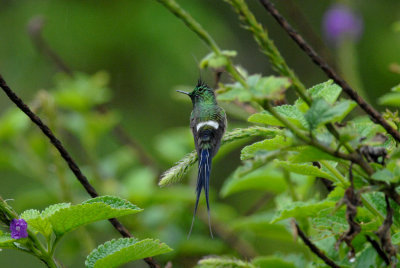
(314,248)
(375,115)
(67,157)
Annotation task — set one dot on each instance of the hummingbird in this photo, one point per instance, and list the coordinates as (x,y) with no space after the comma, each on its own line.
(208,124)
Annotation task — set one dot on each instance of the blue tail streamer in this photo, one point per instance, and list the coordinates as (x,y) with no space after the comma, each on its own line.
(203,181)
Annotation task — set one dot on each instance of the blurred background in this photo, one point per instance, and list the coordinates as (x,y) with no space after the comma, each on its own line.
(122,120)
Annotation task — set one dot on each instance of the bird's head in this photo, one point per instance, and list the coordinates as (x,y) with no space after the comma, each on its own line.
(201,93)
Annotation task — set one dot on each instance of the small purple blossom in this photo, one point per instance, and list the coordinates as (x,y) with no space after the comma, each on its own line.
(18,228)
(341,22)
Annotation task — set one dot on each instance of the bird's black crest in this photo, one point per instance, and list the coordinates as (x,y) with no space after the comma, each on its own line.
(201,83)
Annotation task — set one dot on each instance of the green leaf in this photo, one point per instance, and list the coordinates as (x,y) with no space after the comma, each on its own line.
(65,217)
(50,210)
(6,241)
(327,90)
(391,99)
(396,238)
(39,222)
(36,222)
(120,251)
(385,175)
(290,112)
(305,169)
(266,178)
(260,88)
(217,61)
(302,209)
(234,92)
(272,261)
(220,262)
(321,112)
(367,258)
(270,87)
(95,209)
(275,143)
(307,153)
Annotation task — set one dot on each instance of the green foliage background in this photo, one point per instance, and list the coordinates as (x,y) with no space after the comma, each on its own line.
(133,54)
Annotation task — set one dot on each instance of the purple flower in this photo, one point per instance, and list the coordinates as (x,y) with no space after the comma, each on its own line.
(341,22)
(18,228)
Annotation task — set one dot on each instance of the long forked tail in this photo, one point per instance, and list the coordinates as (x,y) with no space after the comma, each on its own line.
(203,181)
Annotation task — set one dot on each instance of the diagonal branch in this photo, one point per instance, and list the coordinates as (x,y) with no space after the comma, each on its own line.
(375,115)
(314,248)
(67,157)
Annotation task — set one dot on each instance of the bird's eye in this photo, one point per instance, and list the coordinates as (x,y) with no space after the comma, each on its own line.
(201,89)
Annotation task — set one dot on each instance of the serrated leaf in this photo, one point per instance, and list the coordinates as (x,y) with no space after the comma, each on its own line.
(275,143)
(120,251)
(220,262)
(272,261)
(50,210)
(327,90)
(302,209)
(36,222)
(95,209)
(266,178)
(290,112)
(305,169)
(322,112)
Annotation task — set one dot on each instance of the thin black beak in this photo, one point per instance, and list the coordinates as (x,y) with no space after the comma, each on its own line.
(184,92)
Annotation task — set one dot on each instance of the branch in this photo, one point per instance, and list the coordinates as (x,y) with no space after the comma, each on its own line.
(67,157)
(315,249)
(375,115)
